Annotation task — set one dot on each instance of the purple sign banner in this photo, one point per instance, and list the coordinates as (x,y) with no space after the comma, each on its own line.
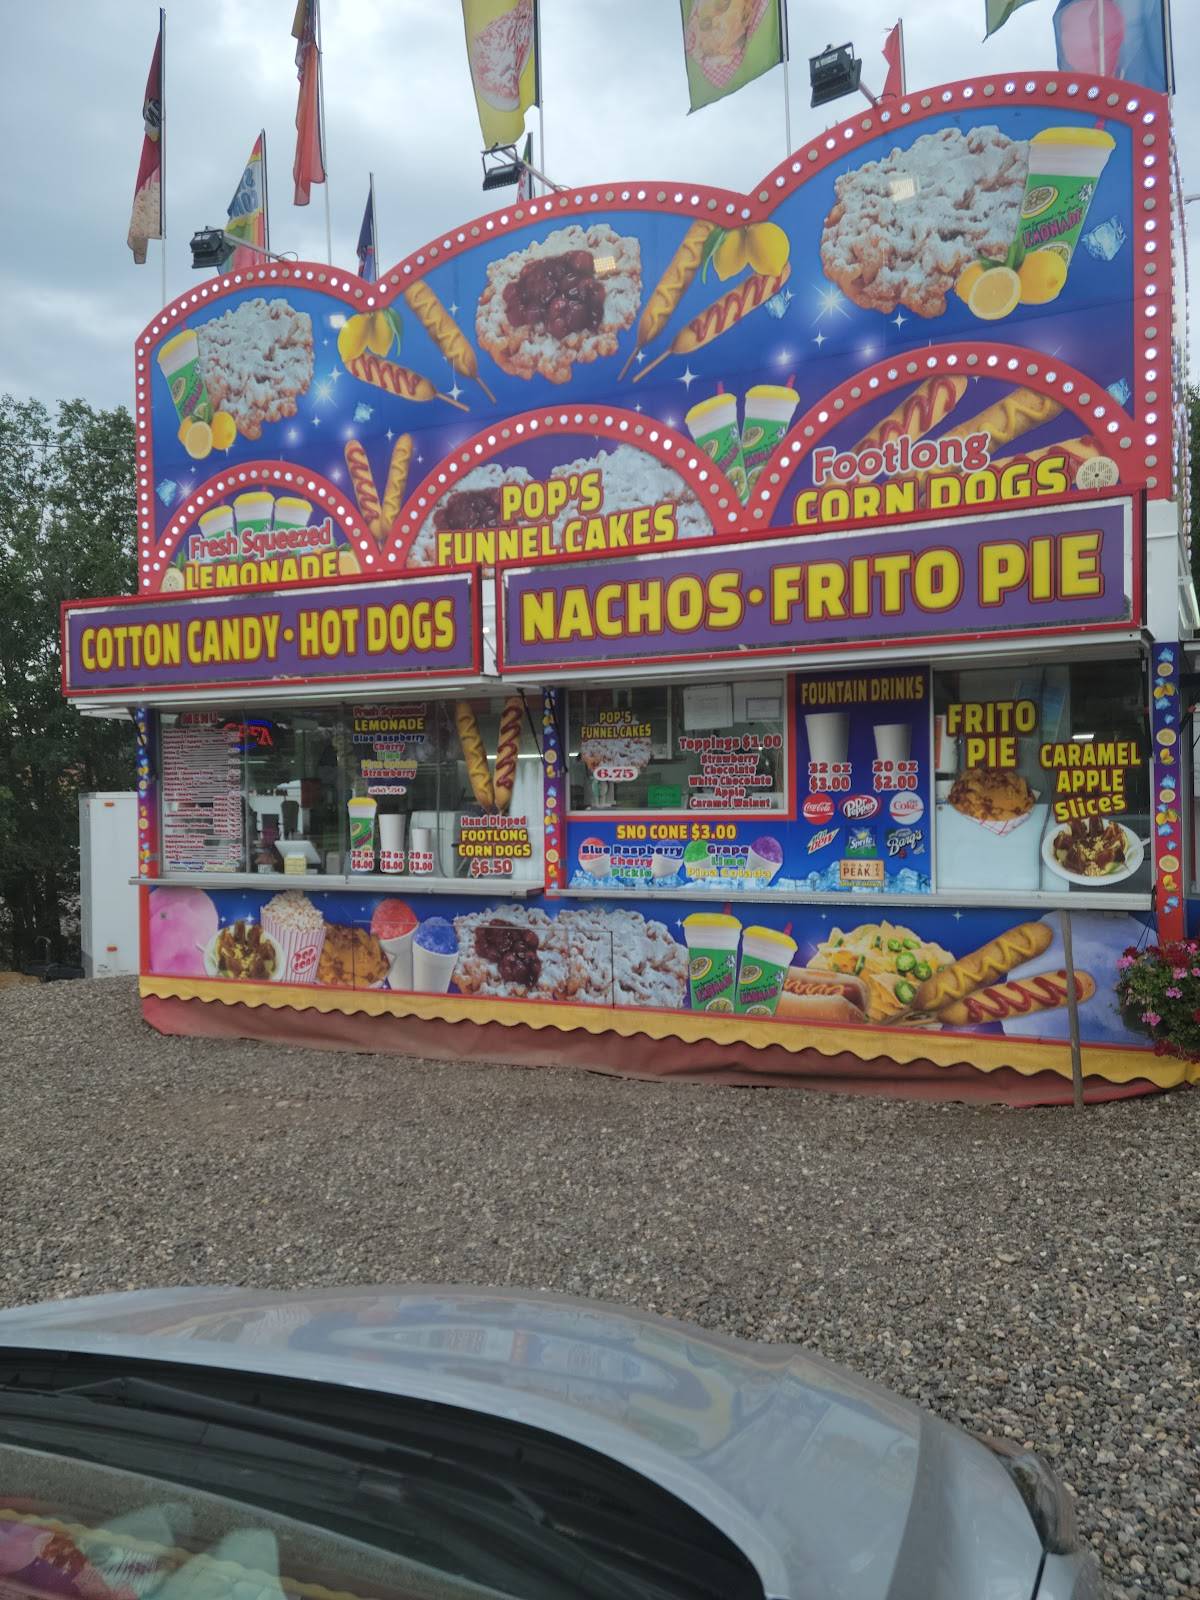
(412,627)
(1050,569)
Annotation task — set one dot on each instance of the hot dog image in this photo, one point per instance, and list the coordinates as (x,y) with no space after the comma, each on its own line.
(1043,991)
(809,996)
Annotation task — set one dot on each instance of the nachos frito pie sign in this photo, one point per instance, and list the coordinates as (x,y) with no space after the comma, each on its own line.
(613,370)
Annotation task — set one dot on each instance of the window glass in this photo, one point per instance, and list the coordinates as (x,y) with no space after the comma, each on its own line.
(1042,778)
(697,747)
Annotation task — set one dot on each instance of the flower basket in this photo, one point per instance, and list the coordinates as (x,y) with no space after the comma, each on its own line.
(1158,990)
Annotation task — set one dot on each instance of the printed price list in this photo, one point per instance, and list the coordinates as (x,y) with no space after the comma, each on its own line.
(203,814)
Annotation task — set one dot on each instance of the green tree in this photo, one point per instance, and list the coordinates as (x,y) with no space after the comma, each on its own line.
(66,532)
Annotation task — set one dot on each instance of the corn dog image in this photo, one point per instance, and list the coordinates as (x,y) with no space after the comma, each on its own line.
(398,380)
(931,402)
(982,966)
(1009,418)
(1075,455)
(719,317)
(445,333)
(397,482)
(507,743)
(363,482)
(1044,991)
(671,288)
(474,754)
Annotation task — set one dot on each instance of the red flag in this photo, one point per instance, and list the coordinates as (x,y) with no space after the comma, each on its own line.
(145,221)
(893,54)
(309,165)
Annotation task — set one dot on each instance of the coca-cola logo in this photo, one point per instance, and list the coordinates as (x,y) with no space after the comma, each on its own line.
(820,840)
(818,808)
(856,807)
(906,807)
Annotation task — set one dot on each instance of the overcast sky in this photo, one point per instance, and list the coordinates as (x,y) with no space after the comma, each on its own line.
(398,101)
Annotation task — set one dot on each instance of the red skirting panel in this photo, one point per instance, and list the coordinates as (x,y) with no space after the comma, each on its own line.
(698,1062)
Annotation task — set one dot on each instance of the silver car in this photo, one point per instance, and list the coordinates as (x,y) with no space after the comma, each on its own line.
(446,1443)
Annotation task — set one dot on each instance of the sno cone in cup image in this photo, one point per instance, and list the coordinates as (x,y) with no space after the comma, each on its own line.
(1064,167)
(252,512)
(393,924)
(712,942)
(766,957)
(770,408)
(434,956)
(179,362)
(713,424)
(298,930)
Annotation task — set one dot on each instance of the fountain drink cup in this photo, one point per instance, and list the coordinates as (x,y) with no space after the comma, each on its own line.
(179,363)
(252,511)
(770,407)
(216,523)
(1064,167)
(361,811)
(893,741)
(420,851)
(391,841)
(713,424)
(828,736)
(292,512)
(712,942)
(766,957)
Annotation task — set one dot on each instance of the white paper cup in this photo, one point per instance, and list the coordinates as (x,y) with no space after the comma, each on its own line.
(399,952)
(432,971)
(893,741)
(391,841)
(828,736)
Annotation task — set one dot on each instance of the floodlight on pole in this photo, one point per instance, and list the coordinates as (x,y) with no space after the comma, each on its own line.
(834,73)
(503,166)
(211,246)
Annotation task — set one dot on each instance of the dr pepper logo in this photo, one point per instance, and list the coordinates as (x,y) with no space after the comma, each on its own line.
(857,807)
(818,809)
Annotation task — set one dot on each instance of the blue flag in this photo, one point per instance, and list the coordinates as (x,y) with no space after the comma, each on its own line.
(1129,39)
(367,264)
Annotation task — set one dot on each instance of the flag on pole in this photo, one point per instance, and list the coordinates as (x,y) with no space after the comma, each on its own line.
(368,258)
(146,219)
(1128,39)
(309,165)
(726,46)
(248,210)
(998,13)
(893,53)
(525,181)
(502,40)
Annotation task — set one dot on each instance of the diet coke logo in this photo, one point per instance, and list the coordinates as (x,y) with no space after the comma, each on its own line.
(906,807)
(859,806)
(818,809)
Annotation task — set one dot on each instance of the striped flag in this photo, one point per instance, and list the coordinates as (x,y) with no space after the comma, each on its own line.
(146,219)
(1128,39)
(309,165)
(248,209)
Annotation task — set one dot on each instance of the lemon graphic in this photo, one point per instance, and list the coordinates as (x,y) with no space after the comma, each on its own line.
(1038,200)
(1042,276)
(758,1011)
(700,966)
(995,294)
(967,279)
(198,441)
(721,1003)
(224,430)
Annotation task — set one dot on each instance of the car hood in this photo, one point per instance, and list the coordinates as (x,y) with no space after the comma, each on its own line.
(832,1486)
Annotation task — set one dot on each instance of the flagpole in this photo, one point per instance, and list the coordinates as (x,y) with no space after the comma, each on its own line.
(321,129)
(537,37)
(266,203)
(903,63)
(1100,20)
(162,149)
(787,73)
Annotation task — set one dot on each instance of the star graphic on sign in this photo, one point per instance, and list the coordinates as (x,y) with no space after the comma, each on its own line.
(829,300)
(335,374)
(638,407)
(899,319)
(454,391)
(638,356)
(819,340)
(453,309)
(316,421)
(688,378)
(389,436)
(323,391)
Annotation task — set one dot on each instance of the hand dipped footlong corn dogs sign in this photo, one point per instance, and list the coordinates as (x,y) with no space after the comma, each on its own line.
(1047,569)
(599,371)
(427,627)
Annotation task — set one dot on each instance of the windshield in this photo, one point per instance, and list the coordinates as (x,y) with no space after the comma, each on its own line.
(146,1483)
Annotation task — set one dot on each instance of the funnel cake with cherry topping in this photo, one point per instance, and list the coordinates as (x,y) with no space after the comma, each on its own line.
(561,300)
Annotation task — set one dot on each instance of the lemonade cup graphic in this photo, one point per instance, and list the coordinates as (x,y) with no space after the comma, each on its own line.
(252,512)
(769,410)
(766,957)
(712,941)
(179,363)
(292,512)
(1064,167)
(713,424)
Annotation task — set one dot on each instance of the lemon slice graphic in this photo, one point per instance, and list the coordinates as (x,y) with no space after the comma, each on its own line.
(1038,200)
(700,966)
(995,294)
(721,1003)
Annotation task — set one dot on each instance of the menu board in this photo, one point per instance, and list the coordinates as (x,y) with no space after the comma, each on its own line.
(202,811)
(864,779)
(389,743)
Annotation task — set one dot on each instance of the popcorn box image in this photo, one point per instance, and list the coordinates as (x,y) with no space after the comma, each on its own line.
(298,929)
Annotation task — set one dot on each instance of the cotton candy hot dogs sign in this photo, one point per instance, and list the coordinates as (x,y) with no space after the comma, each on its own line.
(602,371)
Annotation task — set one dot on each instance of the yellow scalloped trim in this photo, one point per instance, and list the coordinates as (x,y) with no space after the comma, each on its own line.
(178,1557)
(1028,1056)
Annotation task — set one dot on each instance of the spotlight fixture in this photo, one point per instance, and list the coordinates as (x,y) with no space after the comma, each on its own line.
(833,73)
(212,247)
(501,166)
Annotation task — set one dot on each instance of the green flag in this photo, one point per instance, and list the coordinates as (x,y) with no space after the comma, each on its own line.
(726,43)
(998,13)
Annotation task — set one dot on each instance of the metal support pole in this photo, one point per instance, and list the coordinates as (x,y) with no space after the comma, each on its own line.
(1064,917)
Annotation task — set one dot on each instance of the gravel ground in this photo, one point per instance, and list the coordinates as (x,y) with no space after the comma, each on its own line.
(1026,1273)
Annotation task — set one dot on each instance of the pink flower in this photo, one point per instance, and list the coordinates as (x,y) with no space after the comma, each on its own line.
(1180,972)
(1151,1018)
(1124,962)
(1173,994)
(1196,972)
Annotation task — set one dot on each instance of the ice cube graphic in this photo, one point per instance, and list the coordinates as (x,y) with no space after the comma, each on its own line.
(1121,392)
(167,491)
(778,303)
(1105,239)
(363,413)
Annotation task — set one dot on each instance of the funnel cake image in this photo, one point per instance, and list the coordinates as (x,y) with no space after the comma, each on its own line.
(562,300)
